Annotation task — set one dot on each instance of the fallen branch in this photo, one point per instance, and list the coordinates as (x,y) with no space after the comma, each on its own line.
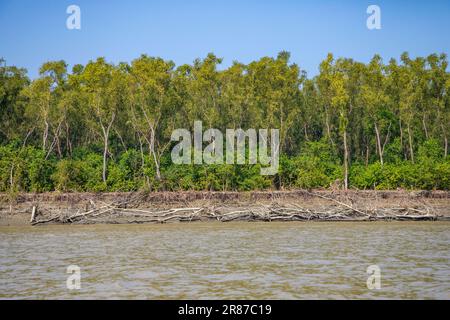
(128,212)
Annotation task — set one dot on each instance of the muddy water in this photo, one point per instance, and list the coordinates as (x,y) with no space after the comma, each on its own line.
(234,260)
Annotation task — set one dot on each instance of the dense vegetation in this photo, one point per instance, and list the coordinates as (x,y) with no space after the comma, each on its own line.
(105,127)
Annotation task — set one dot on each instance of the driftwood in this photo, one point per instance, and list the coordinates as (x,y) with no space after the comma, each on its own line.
(33,214)
(128,211)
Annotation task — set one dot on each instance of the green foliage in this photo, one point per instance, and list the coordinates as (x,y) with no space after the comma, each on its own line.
(67,176)
(316,167)
(40,172)
(107,127)
(394,151)
(215,178)
(406,175)
(80,174)
(430,150)
(126,174)
(25,169)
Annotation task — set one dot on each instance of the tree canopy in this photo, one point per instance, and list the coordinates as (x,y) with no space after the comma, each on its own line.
(107,127)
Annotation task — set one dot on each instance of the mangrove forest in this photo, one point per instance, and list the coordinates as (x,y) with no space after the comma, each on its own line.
(107,127)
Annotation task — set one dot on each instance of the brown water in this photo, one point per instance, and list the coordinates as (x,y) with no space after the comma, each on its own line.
(234,260)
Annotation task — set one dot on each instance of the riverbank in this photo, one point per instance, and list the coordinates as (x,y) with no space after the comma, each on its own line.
(164,207)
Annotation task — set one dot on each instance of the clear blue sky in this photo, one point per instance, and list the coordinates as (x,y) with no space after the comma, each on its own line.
(32,32)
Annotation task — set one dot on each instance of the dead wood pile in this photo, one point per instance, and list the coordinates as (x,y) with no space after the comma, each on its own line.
(129,211)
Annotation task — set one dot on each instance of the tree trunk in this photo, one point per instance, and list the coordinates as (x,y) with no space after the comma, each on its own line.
(105,154)
(401,140)
(45,136)
(11,177)
(152,125)
(345,161)
(380,150)
(121,140)
(106,142)
(26,137)
(143,161)
(58,141)
(445,141)
(411,150)
(367,154)
(142,152)
(55,142)
(425,127)
(152,152)
(327,123)
(68,142)
(445,147)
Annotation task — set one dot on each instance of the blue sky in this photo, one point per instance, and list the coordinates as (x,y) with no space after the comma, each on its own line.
(33,32)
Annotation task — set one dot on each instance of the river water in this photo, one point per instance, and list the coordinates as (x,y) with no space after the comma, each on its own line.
(291,260)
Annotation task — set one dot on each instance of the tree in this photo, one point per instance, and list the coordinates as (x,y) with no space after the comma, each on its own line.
(150,80)
(340,101)
(56,71)
(324,84)
(38,106)
(438,90)
(376,101)
(13,81)
(107,127)
(275,84)
(104,85)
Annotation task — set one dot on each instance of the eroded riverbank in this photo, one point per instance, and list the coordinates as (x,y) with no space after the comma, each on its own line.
(163,207)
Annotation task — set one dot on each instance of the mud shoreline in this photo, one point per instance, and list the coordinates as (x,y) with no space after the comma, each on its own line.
(56,207)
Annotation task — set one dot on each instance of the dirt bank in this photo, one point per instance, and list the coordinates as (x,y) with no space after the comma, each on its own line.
(223,206)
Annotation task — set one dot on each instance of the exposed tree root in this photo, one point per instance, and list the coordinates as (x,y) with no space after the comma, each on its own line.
(128,212)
